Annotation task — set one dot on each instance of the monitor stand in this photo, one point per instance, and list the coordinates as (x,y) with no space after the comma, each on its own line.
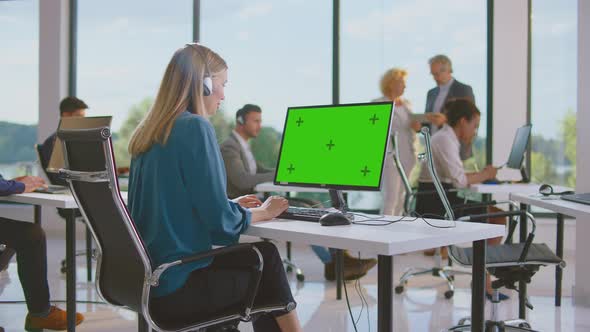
(337,199)
(524,175)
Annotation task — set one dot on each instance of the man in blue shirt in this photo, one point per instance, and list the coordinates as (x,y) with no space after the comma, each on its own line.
(28,241)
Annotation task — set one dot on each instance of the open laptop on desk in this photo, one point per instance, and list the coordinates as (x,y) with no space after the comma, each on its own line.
(578,198)
(516,157)
(337,147)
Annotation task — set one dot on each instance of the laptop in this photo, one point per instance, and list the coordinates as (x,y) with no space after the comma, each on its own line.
(516,157)
(578,198)
(56,161)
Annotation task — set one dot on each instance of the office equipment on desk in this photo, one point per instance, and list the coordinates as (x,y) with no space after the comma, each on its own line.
(53,189)
(57,156)
(335,147)
(310,214)
(577,198)
(516,156)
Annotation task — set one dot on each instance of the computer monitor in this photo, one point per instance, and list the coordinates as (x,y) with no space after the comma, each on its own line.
(335,146)
(521,140)
(56,160)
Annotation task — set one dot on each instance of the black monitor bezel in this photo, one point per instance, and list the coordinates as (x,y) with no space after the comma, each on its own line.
(334,186)
(528,138)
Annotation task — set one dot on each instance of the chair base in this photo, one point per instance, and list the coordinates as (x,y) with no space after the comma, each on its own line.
(290,267)
(446,273)
(496,326)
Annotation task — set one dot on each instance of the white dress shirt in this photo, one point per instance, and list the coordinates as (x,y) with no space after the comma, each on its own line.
(447,159)
(249,155)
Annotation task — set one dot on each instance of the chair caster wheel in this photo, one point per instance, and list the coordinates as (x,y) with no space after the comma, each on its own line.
(289,269)
(399,289)
(524,325)
(300,277)
(449,294)
(63,267)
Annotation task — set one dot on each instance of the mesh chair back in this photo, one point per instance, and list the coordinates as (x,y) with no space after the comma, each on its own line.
(90,170)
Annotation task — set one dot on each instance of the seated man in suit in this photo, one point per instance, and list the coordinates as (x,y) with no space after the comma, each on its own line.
(68,107)
(244,173)
(28,241)
(448,88)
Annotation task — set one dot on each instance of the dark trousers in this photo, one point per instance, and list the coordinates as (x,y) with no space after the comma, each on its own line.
(221,288)
(28,240)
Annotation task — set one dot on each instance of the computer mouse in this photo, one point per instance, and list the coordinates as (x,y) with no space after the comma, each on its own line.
(545,190)
(334,219)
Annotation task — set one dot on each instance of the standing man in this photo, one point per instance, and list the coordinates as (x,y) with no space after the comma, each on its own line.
(448,88)
(244,173)
(68,107)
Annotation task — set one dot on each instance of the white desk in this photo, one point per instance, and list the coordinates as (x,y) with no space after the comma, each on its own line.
(561,207)
(387,241)
(63,201)
(508,188)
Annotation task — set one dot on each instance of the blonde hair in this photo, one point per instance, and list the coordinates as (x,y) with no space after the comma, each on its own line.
(389,77)
(443,60)
(181,89)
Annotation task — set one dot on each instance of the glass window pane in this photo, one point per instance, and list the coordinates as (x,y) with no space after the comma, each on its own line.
(123,50)
(554,91)
(19,86)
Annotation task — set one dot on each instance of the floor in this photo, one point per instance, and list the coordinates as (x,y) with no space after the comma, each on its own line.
(421,308)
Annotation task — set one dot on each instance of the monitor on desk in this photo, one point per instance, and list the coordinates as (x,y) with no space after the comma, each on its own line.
(56,160)
(521,140)
(335,146)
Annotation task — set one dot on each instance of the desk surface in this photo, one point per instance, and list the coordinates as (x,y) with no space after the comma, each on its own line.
(553,203)
(64,201)
(397,238)
(507,188)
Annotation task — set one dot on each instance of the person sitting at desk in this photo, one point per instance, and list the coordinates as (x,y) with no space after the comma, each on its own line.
(244,173)
(29,243)
(68,107)
(178,200)
(463,122)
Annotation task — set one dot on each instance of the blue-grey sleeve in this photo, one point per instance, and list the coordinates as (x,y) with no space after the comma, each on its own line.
(9,187)
(205,177)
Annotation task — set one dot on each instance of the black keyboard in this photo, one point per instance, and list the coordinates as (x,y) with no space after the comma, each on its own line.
(307,214)
(578,198)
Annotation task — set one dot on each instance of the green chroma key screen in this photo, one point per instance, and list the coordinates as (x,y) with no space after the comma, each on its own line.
(334,146)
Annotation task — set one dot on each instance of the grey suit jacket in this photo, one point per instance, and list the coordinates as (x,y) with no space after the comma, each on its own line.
(239,180)
(457,90)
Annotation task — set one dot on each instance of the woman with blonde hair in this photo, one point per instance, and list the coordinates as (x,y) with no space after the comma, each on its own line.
(178,200)
(392,85)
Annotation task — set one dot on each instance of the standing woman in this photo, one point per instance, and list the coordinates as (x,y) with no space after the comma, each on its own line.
(393,84)
(178,200)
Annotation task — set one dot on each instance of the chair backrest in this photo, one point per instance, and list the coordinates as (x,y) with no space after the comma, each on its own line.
(425,131)
(124,263)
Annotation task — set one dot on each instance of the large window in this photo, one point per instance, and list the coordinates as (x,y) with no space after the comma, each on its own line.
(554,91)
(19,86)
(123,50)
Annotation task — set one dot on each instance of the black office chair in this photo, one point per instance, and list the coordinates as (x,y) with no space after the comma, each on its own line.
(510,263)
(63,213)
(446,272)
(125,274)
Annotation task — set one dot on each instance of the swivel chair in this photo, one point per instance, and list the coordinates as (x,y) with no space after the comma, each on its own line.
(88,252)
(125,273)
(438,270)
(510,263)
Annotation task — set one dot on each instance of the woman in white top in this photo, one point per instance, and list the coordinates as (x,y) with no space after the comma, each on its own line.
(393,84)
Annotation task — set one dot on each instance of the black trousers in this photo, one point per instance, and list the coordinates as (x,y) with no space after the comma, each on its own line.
(28,240)
(428,203)
(221,287)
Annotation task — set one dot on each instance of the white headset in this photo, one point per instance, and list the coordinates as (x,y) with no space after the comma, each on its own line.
(207,81)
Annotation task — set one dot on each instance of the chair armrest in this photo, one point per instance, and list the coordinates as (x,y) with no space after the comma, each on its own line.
(485,216)
(473,205)
(157,273)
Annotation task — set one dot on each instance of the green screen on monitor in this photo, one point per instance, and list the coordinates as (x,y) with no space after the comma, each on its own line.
(334,146)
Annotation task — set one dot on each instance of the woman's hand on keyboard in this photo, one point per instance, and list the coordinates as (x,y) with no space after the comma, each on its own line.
(271,208)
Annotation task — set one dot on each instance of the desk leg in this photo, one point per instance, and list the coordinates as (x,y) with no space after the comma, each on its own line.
(478,270)
(521,284)
(71,268)
(37,214)
(385,293)
(339,266)
(559,252)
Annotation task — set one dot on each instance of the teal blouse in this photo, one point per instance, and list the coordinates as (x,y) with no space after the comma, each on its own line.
(178,201)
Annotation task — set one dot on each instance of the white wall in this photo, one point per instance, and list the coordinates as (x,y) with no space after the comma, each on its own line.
(510,77)
(582,285)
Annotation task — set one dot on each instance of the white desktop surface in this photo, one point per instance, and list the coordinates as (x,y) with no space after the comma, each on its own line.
(507,188)
(553,203)
(394,239)
(64,201)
